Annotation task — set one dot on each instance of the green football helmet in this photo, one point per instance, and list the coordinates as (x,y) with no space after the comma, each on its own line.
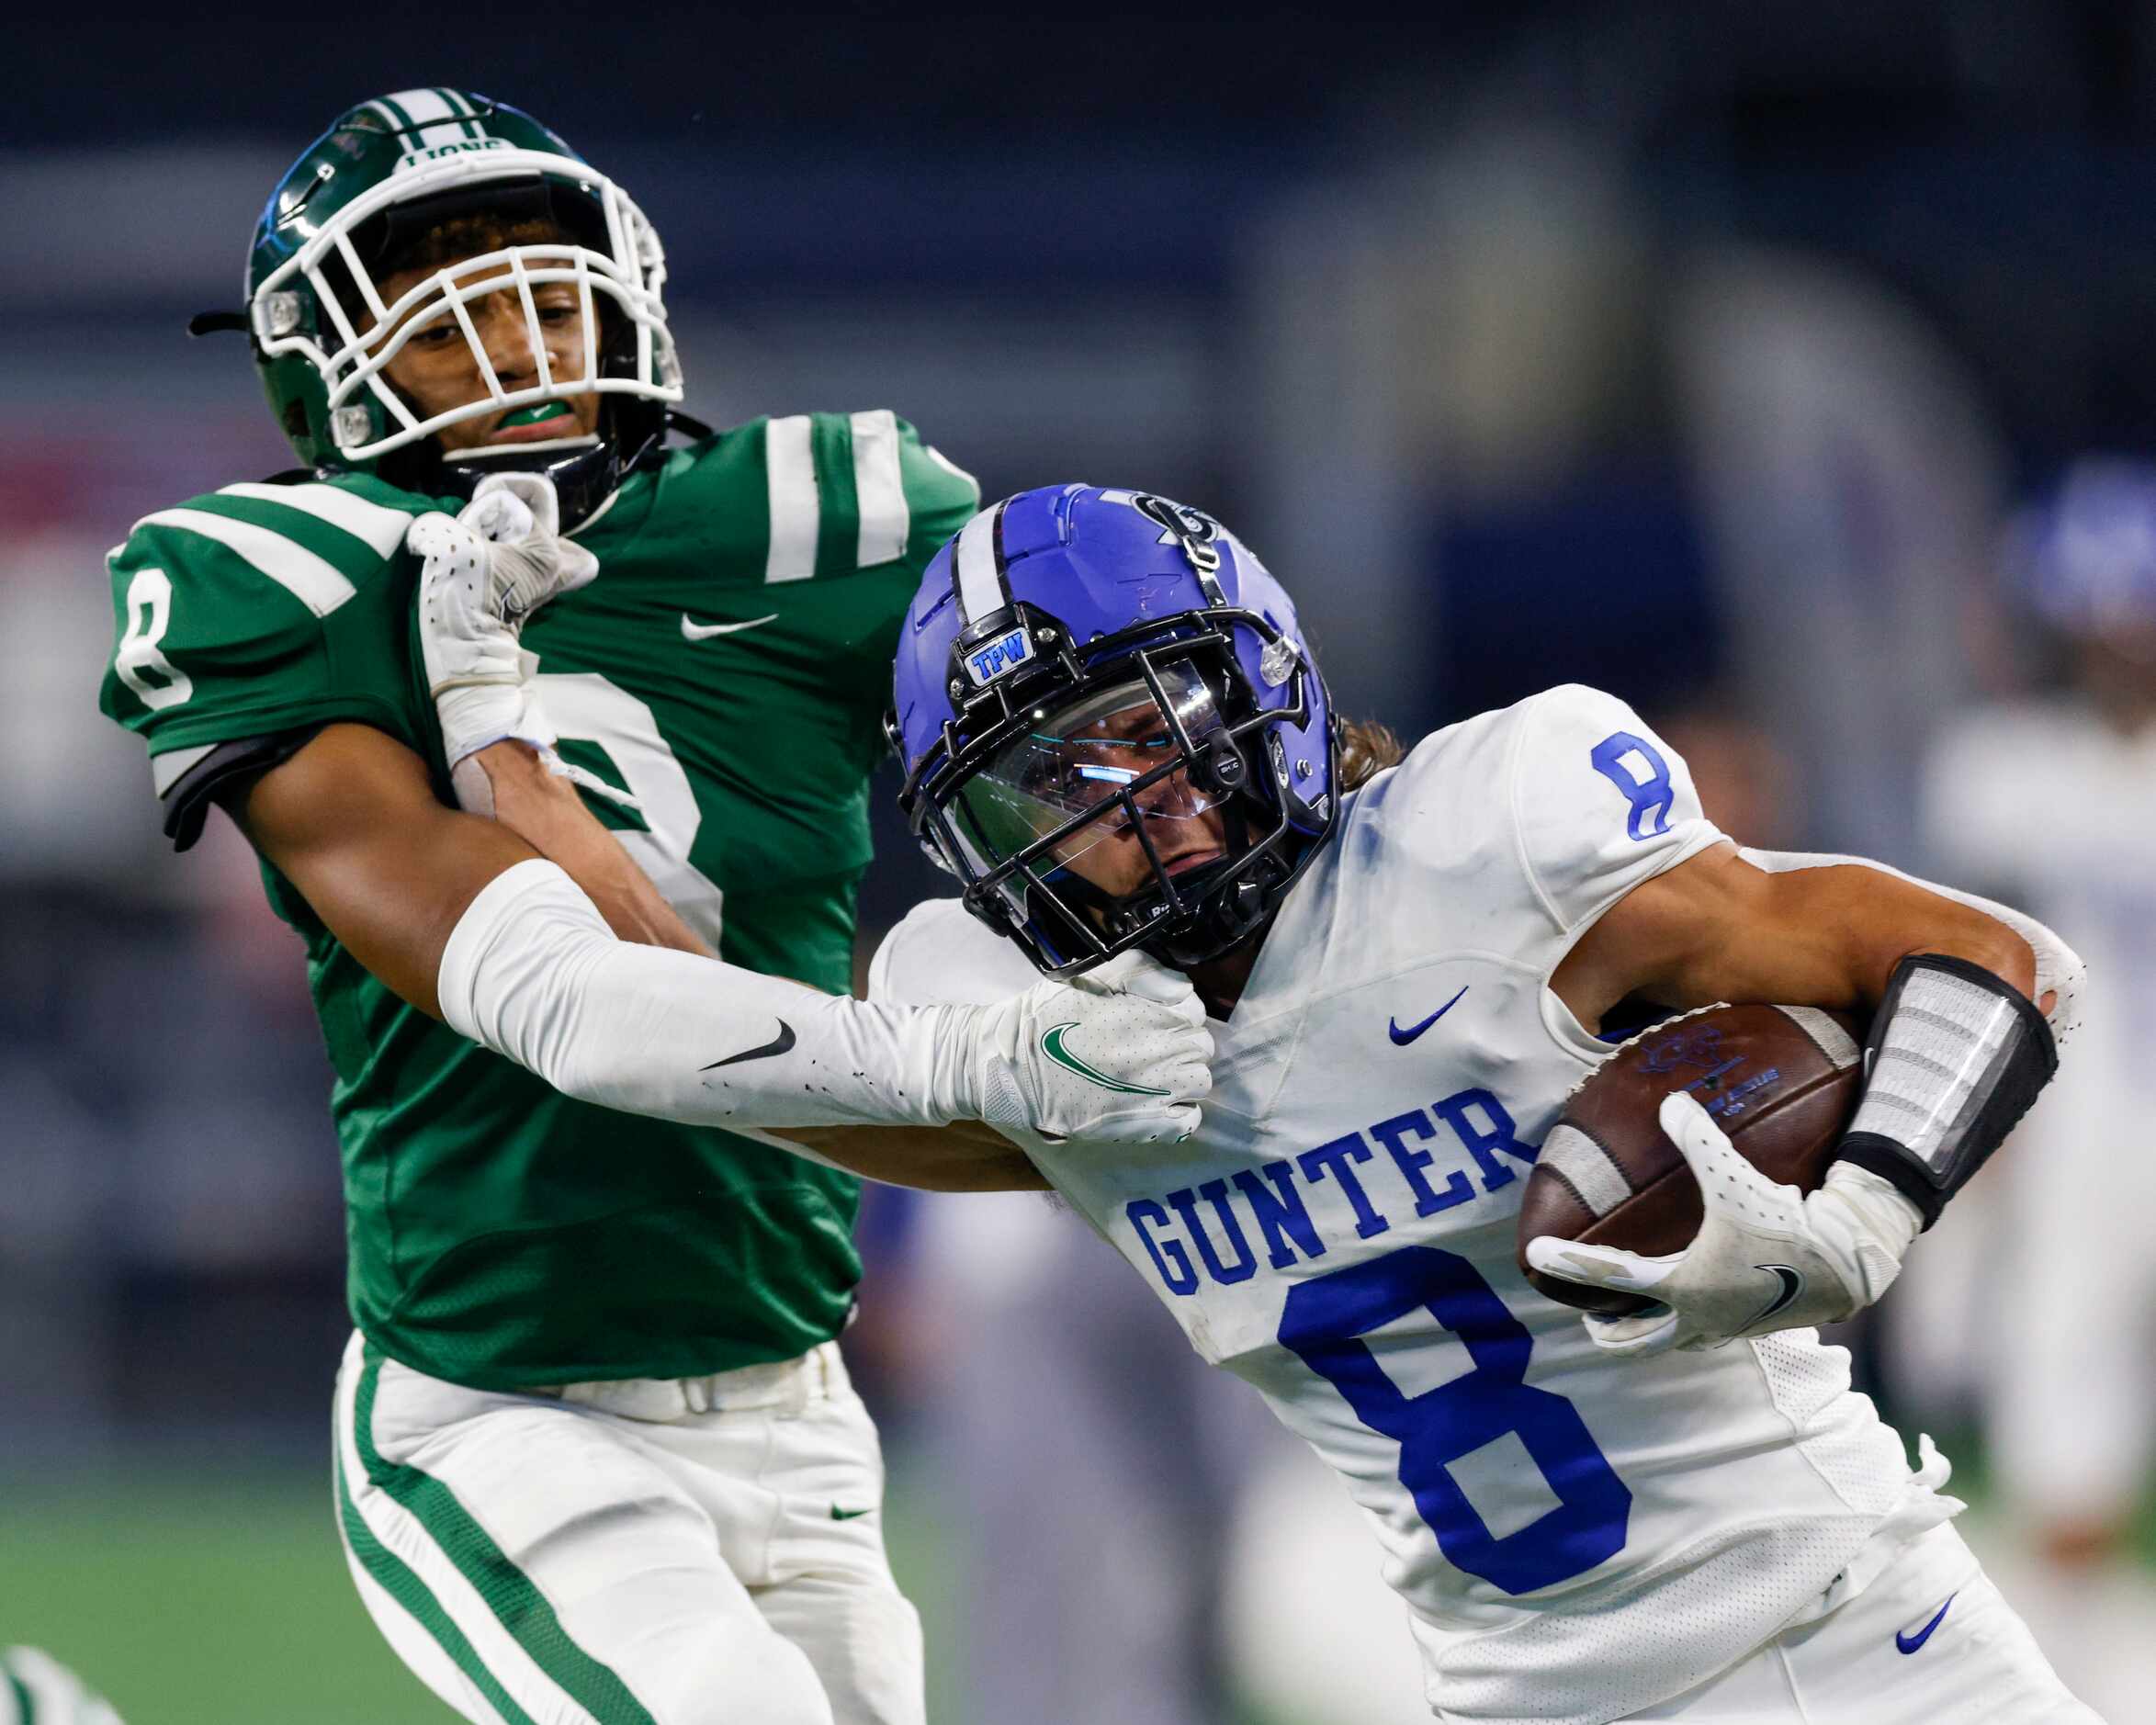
(384,174)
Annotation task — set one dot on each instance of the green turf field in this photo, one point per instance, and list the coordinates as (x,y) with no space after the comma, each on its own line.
(201,1602)
(208,1600)
(194,1598)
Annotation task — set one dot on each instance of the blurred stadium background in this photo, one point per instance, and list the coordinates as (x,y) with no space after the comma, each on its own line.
(1700,351)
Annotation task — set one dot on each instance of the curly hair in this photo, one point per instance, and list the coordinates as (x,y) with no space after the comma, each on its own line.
(1366,750)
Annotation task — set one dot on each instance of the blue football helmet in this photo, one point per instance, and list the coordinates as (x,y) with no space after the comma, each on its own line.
(1112,729)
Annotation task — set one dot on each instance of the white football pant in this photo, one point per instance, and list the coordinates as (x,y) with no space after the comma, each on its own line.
(1930,1640)
(652,1552)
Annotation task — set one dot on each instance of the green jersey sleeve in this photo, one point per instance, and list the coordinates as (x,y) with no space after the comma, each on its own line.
(260,608)
(858,500)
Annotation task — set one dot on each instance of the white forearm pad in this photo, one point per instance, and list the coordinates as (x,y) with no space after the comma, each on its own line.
(2059,969)
(533,972)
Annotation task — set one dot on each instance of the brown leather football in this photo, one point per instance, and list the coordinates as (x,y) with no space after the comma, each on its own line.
(1782,1081)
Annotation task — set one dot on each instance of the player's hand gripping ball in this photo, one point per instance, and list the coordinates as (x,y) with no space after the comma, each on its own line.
(1780,1082)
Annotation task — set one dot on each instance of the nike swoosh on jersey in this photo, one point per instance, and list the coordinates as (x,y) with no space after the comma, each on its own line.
(1402,1038)
(1791,1280)
(1905,1643)
(777,1046)
(848,1515)
(704,631)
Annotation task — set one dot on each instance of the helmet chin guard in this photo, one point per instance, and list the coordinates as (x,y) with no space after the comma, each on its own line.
(1110,729)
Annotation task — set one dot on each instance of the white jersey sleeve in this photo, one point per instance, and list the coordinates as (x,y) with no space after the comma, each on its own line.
(941,954)
(1600,803)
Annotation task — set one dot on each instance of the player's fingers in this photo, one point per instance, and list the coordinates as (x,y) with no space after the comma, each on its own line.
(530,497)
(1142,975)
(1150,1125)
(1727,1181)
(579,566)
(431,535)
(500,516)
(1192,1043)
(1688,1126)
(1597,1266)
(1191,1077)
(1639,1336)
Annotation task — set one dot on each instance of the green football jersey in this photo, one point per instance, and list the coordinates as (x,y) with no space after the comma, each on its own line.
(728,667)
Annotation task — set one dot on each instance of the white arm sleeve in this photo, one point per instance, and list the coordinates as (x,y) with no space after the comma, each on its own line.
(533,972)
(2059,969)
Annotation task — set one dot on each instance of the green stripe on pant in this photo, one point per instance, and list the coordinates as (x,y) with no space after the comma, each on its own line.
(507,1591)
(396,1578)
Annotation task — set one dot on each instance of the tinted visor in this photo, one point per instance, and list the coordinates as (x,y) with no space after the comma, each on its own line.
(1093,758)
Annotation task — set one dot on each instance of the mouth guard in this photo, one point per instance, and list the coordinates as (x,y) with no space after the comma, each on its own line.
(534,415)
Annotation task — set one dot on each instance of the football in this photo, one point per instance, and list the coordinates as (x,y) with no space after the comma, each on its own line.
(1782,1081)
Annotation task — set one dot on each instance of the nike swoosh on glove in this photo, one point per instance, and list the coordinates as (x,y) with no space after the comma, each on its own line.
(1767,1257)
(482,573)
(1116,1055)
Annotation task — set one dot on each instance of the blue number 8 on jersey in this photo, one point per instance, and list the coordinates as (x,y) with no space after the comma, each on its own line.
(1323,1322)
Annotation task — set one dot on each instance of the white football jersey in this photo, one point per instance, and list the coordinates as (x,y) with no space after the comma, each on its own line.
(1576,1538)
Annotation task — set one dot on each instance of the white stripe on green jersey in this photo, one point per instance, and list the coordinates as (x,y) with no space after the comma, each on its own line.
(311,579)
(790,469)
(879,488)
(381,529)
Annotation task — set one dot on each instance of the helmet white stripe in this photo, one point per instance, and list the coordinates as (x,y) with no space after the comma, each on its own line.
(980,582)
(430,119)
(879,488)
(464,111)
(789,468)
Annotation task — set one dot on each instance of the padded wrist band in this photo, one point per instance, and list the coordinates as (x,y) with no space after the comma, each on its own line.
(1955,1057)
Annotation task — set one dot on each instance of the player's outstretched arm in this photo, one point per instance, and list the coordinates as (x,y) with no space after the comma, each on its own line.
(459,917)
(1957,1051)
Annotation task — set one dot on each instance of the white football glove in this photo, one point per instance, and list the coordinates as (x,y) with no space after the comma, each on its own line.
(1117,1056)
(1767,1257)
(484,571)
